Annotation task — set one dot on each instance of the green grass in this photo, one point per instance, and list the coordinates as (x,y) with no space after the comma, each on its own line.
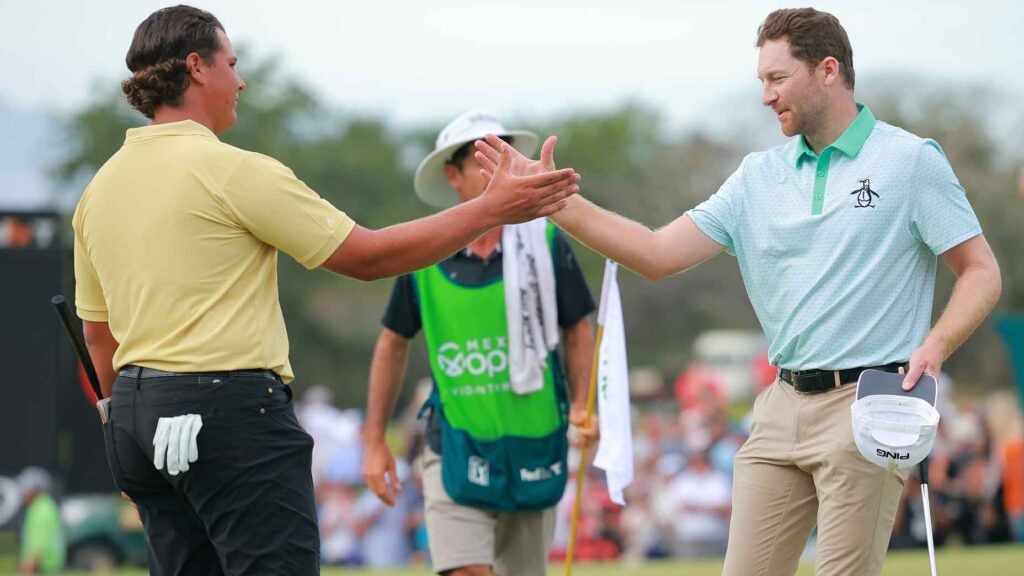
(978,561)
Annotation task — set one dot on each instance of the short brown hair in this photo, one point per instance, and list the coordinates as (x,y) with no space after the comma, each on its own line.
(158,51)
(812,36)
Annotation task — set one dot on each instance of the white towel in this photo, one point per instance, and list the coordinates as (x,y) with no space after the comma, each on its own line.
(530,305)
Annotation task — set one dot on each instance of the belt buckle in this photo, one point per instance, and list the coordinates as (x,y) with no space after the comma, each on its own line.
(805,380)
(815,381)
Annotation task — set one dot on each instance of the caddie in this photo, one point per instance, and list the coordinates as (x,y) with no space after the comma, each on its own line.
(495,462)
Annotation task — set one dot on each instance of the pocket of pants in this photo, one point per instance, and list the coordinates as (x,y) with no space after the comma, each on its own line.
(279,397)
(110,447)
(758,411)
(248,397)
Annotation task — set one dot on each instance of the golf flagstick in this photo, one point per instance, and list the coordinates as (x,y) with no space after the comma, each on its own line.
(581,472)
(611,368)
(927,512)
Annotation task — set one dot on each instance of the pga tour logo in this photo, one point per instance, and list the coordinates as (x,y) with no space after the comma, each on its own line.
(483,356)
(894,455)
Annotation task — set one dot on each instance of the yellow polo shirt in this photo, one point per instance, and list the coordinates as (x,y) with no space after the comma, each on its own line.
(176,242)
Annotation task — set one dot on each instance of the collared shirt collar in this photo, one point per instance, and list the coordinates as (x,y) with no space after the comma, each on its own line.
(182,128)
(849,143)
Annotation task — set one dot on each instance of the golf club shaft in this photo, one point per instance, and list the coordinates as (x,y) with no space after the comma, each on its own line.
(928,526)
(926,504)
(60,304)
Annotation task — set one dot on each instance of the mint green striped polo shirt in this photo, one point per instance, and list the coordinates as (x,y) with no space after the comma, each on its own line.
(838,250)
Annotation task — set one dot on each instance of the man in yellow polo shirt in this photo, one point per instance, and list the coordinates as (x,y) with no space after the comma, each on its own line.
(176,242)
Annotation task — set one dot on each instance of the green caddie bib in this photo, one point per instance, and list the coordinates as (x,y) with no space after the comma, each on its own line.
(500,450)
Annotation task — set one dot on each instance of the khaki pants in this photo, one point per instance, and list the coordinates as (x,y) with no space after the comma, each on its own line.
(514,544)
(799,467)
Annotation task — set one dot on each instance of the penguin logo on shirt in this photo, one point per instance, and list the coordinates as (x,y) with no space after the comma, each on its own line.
(864,194)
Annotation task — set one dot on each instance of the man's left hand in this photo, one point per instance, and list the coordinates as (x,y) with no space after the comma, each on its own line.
(925,360)
(583,433)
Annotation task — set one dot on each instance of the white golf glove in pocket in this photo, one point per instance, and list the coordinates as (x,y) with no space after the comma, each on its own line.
(175,442)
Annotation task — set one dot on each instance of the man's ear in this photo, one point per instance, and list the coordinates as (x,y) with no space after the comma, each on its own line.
(830,66)
(452,174)
(196,68)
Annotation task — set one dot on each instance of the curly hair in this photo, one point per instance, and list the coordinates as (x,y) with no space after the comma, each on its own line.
(812,36)
(157,56)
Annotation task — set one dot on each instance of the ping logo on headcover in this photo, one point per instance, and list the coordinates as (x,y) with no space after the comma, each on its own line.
(479,471)
(894,455)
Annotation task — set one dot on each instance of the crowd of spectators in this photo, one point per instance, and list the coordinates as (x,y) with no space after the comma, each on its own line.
(680,500)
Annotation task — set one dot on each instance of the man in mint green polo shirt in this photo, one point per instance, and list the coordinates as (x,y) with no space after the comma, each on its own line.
(837,234)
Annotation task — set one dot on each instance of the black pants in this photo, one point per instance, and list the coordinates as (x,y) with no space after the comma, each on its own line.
(246,505)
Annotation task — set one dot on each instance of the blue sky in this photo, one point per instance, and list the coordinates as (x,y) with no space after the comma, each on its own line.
(414,62)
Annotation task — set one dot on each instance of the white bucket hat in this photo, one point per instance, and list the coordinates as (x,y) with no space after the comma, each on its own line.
(430,182)
(893,428)
(34,479)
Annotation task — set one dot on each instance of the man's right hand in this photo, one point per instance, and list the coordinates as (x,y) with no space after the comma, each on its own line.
(521,190)
(489,150)
(380,473)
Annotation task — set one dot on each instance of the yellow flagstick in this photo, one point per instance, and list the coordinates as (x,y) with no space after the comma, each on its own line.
(581,472)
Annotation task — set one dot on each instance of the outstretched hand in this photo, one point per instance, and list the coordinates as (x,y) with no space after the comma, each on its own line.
(521,189)
(488,154)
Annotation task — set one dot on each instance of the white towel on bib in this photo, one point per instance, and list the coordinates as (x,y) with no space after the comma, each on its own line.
(530,305)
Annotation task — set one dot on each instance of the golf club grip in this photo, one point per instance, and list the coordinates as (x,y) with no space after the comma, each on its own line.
(60,304)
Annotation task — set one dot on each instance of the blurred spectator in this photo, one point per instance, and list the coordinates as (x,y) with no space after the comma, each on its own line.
(417,520)
(598,536)
(339,539)
(43,547)
(387,531)
(910,529)
(679,502)
(700,499)
(1012,461)
(725,443)
(336,446)
(966,467)
(1006,427)
(698,388)
(764,372)
(641,537)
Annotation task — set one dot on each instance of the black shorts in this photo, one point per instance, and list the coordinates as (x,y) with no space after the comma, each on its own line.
(246,505)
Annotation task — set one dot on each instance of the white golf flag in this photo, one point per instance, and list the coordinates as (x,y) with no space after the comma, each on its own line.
(615,451)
